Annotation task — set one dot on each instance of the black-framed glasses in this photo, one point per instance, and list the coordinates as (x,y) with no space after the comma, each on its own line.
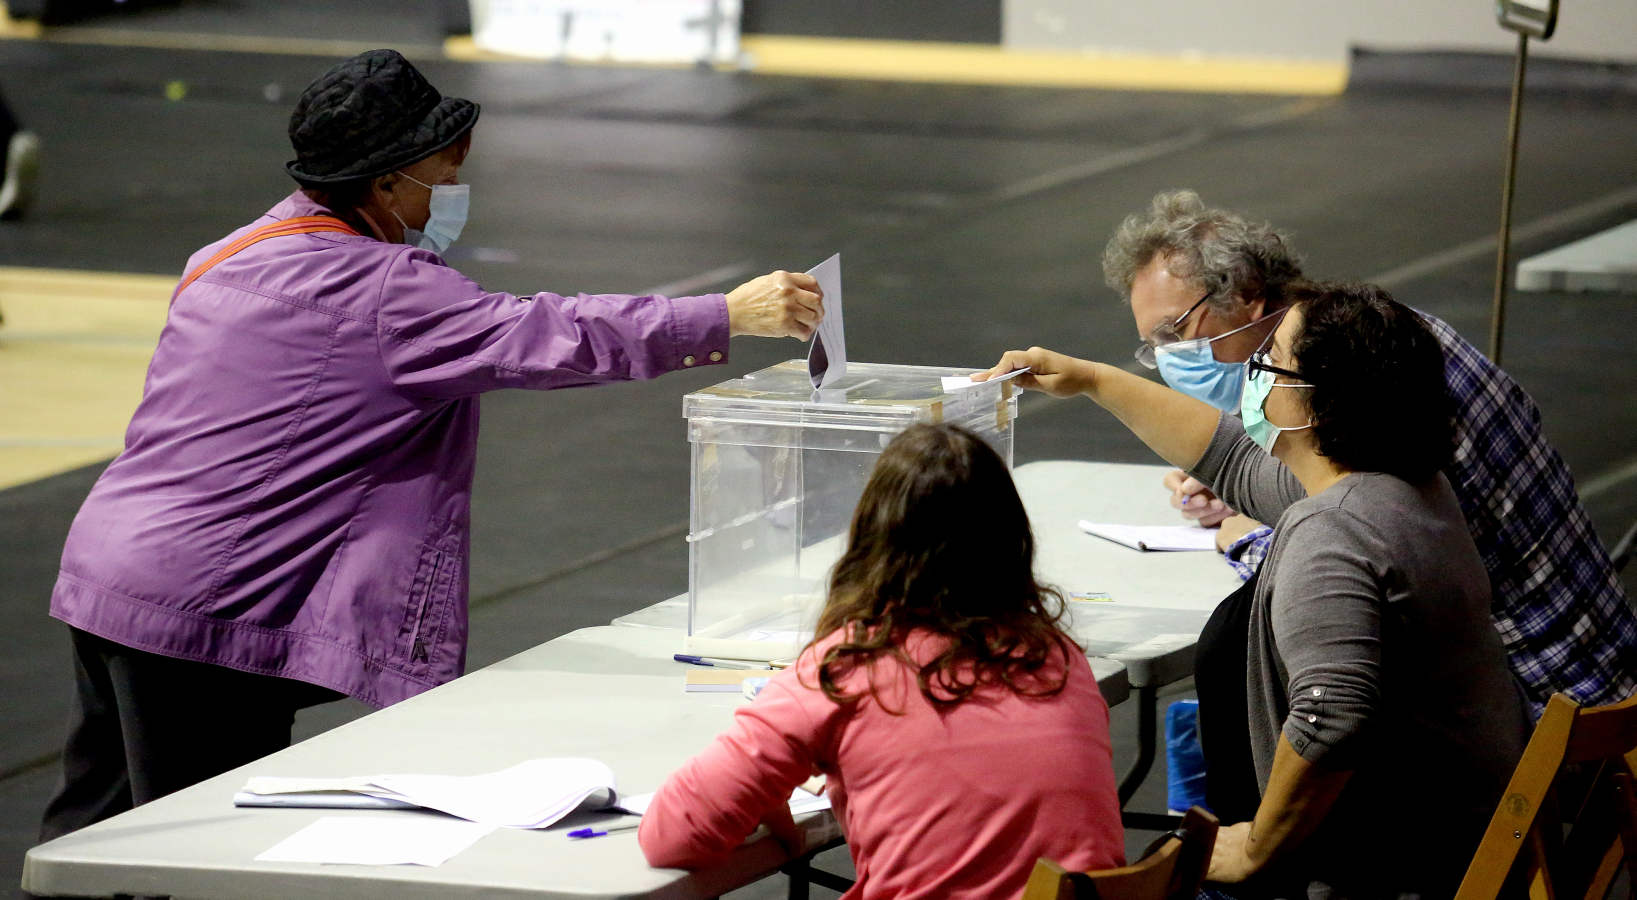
(1262,360)
(1258,362)
(1166,334)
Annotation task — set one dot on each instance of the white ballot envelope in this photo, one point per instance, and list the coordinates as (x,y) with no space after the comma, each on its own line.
(827,357)
(961,382)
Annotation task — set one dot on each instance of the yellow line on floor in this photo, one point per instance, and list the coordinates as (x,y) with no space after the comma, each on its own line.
(982,64)
(74,351)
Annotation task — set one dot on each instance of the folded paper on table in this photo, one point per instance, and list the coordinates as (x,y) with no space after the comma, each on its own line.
(532,794)
(1154,537)
(376,841)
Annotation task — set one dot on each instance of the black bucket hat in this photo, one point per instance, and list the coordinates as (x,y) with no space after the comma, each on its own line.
(370,115)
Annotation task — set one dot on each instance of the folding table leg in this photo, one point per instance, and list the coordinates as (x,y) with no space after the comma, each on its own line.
(802,874)
(1147,721)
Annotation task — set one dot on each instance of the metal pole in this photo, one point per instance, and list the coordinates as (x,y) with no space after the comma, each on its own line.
(1497,318)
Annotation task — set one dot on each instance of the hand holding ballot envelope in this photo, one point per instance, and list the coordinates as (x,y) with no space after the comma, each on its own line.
(778,304)
(1049,372)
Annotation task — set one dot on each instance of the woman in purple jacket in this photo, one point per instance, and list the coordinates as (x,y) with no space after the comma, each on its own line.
(289,521)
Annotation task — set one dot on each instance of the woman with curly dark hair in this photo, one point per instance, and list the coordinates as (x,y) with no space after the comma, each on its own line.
(960,729)
(1376,683)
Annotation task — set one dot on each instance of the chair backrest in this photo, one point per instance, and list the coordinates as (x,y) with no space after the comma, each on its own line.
(1172,869)
(1525,841)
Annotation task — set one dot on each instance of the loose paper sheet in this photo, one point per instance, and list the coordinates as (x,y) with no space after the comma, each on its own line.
(532,794)
(378,841)
(1154,537)
(827,357)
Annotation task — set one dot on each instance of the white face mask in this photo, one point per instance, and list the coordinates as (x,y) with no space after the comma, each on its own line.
(450,204)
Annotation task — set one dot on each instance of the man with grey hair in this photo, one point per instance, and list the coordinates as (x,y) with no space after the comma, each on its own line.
(1206,287)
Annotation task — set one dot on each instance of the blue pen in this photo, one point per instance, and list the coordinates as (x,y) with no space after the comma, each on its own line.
(716,663)
(582,833)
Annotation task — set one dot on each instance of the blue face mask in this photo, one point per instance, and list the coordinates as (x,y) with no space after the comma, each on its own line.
(450,204)
(1258,384)
(1191,367)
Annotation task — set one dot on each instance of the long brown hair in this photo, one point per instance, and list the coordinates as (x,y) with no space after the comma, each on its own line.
(940,541)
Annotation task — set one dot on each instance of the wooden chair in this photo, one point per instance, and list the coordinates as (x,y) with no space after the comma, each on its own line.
(1171,869)
(1528,841)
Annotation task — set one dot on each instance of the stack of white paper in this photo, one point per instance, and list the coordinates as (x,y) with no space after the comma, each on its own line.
(533,794)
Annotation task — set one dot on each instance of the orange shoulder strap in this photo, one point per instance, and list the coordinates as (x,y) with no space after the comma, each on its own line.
(298,225)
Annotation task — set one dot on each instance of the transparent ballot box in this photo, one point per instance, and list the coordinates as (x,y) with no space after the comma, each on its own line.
(777,469)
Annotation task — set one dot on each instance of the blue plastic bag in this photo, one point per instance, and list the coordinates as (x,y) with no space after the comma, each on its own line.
(1184,760)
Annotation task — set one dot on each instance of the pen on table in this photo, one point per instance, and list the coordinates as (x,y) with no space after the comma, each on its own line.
(580,833)
(717,662)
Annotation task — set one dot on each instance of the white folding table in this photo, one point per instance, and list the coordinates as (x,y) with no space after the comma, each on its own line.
(612,694)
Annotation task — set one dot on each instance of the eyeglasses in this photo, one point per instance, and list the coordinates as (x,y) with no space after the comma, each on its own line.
(1259,363)
(1165,334)
(1262,361)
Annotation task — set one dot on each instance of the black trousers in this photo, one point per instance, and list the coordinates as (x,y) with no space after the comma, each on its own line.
(143,725)
(1223,652)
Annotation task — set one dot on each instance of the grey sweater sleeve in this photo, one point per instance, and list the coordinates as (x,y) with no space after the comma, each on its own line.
(1326,607)
(1246,478)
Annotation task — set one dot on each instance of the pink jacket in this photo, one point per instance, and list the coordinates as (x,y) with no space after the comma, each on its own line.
(294,492)
(946,804)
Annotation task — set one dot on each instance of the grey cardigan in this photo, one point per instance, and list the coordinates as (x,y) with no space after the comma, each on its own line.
(1371,649)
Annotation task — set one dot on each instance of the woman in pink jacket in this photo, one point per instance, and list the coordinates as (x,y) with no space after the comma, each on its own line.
(960,729)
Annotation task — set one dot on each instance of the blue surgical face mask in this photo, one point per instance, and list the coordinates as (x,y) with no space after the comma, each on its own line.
(450,204)
(1258,384)
(1189,367)
(1192,368)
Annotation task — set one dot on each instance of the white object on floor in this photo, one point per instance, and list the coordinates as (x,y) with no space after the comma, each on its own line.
(676,31)
(1606,261)
(377,841)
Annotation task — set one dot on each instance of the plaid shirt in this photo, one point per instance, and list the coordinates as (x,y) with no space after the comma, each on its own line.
(1557,604)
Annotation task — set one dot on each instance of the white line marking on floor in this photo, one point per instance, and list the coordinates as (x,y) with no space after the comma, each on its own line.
(1609,480)
(716,276)
(1478,248)
(1142,153)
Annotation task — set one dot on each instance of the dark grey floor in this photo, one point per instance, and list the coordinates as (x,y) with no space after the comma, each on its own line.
(972,220)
